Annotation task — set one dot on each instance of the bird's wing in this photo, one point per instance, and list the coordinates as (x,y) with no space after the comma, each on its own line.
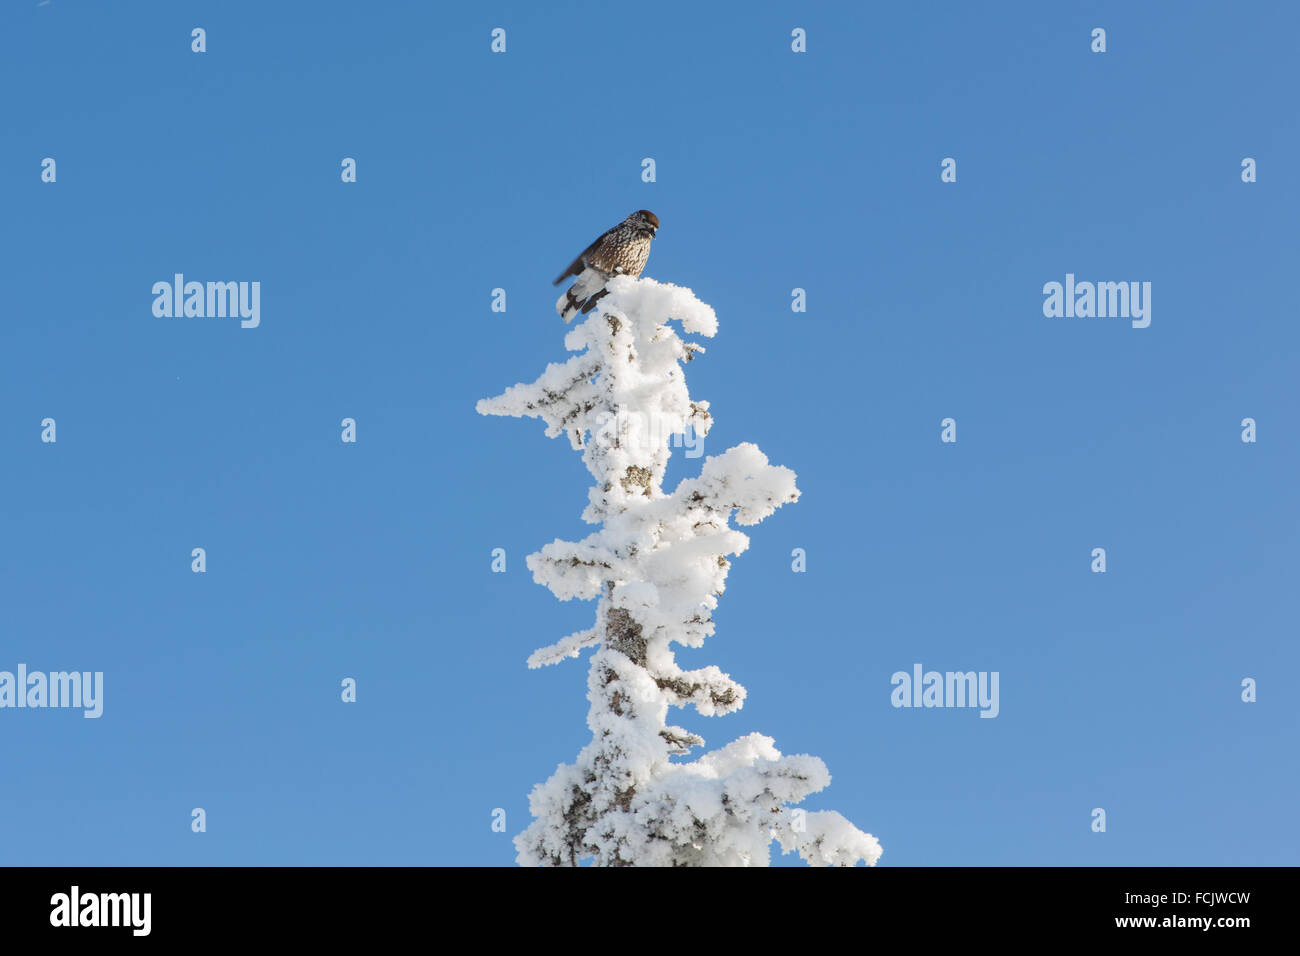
(576,266)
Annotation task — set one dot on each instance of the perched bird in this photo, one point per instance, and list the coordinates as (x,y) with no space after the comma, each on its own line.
(621,251)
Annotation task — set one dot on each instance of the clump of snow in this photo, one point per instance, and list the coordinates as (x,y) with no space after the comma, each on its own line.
(655,568)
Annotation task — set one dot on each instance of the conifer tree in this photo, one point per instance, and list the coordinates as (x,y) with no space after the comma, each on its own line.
(655,568)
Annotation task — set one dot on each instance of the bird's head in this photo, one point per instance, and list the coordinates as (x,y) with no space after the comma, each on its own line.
(645,221)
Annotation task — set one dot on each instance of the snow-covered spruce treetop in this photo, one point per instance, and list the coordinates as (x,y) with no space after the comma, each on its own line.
(655,569)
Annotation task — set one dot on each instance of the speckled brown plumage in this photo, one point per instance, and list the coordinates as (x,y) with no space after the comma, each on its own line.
(622,250)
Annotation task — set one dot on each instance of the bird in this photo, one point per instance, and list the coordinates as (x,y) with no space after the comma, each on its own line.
(620,251)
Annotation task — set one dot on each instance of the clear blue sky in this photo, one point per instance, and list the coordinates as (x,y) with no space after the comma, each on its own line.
(775,170)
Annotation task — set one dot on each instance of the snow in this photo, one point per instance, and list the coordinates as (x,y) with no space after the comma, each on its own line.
(655,567)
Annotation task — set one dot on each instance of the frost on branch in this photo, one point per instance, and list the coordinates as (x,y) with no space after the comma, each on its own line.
(655,567)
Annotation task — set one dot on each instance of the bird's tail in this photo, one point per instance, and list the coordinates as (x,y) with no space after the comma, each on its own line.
(575,300)
(568,305)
